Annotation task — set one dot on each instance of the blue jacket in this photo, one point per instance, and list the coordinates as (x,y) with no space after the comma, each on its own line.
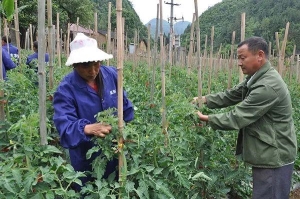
(13,51)
(7,63)
(75,104)
(34,56)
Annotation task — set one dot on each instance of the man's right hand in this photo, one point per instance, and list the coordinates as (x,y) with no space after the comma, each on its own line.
(97,129)
(195,100)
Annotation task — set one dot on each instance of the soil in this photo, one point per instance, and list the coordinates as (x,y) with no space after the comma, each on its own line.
(295,194)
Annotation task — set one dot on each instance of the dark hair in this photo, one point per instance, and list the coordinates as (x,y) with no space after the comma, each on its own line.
(255,44)
(35,44)
(4,39)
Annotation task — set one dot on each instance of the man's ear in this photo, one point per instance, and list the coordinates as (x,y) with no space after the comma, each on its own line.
(261,55)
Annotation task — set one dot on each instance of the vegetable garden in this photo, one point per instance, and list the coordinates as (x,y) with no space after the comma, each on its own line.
(165,152)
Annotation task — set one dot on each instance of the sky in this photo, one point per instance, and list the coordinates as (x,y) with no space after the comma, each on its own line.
(147,9)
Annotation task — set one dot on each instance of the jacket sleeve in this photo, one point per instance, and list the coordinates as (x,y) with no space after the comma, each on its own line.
(259,101)
(8,63)
(227,98)
(69,126)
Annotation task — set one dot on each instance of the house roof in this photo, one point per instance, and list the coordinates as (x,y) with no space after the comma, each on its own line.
(75,28)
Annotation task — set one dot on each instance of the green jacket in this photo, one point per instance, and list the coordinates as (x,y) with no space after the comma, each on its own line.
(263,116)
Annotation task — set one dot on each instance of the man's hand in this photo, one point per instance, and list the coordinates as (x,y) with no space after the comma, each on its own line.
(202,117)
(195,100)
(97,129)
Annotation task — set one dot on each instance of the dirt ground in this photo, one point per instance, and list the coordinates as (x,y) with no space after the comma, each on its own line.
(295,194)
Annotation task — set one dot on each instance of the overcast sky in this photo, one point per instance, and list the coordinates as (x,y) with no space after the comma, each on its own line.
(147,9)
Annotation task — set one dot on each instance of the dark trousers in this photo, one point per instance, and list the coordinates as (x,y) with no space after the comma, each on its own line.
(272,183)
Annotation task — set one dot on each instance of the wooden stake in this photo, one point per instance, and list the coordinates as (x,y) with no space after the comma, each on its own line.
(198,56)
(58,38)
(17,30)
(50,43)
(41,71)
(211,57)
(120,48)
(190,53)
(243,28)
(108,42)
(231,61)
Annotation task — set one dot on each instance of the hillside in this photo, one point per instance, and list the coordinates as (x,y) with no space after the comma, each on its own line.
(263,18)
(179,27)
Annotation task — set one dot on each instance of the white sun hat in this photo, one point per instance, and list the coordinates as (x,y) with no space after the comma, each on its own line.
(85,49)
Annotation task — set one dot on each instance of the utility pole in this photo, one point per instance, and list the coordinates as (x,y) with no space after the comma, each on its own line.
(171,29)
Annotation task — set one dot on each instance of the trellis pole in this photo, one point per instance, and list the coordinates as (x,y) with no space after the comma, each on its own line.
(17,29)
(155,55)
(2,113)
(50,43)
(41,71)
(243,29)
(198,56)
(211,57)
(148,47)
(163,77)
(190,53)
(120,48)
(231,61)
(58,38)
(108,43)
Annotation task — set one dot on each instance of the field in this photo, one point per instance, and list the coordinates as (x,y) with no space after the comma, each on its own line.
(177,160)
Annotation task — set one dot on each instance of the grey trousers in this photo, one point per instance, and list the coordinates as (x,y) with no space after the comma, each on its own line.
(272,183)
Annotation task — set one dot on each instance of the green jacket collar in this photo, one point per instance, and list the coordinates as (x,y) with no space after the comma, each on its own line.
(258,74)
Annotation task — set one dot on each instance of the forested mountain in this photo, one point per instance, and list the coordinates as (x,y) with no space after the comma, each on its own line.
(179,27)
(70,10)
(263,18)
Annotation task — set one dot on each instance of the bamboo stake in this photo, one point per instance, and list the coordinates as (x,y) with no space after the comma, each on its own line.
(204,58)
(2,113)
(155,55)
(120,47)
(58,38)
(190,53)
(50,43)
(211,57)
(231,61)
(108,46)
(282,50)
(148,47)
(198,56)
(31,39)
(17,29)
(163,77)
(219,58)
(297,69)
(243,28)
(68,41)
(292,64)
(41,71)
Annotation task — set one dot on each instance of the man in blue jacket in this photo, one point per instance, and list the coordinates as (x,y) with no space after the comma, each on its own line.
(88,90)
(33,58)
(12,50)
(7,63)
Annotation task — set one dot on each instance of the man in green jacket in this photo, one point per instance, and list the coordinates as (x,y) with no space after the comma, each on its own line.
(263,116)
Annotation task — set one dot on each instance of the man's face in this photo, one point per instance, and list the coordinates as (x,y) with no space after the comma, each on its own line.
(88,71)
(248,61)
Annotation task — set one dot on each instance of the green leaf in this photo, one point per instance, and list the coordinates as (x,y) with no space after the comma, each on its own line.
(8,186)
(17,176)
(201,175)
(8,8)
(157,171)
(52,149)
(50,195)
